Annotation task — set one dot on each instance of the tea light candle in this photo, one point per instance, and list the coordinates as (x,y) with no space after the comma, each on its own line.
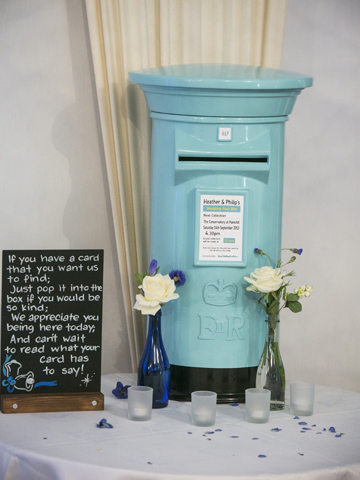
(257,405)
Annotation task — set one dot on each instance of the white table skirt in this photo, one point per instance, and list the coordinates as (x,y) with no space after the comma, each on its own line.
(69,445)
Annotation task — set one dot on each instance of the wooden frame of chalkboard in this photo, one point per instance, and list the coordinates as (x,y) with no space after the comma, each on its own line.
(51,329)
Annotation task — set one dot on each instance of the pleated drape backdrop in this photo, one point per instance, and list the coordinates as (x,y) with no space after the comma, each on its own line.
(130,35)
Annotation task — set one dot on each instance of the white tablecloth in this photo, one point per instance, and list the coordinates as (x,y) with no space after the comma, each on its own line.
(69,445)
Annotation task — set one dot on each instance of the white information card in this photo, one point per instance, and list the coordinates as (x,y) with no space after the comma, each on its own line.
(221,225)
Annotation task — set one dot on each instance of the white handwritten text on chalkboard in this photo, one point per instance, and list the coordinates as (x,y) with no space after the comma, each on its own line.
(51,321)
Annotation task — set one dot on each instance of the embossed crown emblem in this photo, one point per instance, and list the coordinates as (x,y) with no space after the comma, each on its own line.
(219,293)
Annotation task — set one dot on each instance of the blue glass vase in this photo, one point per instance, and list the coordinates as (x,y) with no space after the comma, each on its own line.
(154,366)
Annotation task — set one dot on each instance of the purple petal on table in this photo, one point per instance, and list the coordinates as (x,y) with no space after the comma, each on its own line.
(121,391)
(103,424)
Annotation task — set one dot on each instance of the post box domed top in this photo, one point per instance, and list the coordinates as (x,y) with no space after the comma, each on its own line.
(220,76)
(220,89)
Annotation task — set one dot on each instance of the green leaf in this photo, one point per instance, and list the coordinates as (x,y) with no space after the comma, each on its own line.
(295,307)
(139,278)
(292,297)
(274,308)
(275,295)
(262,306)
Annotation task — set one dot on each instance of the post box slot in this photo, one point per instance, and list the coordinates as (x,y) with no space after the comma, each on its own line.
(224,159)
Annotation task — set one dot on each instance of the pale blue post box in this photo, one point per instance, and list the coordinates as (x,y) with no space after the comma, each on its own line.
(217,183)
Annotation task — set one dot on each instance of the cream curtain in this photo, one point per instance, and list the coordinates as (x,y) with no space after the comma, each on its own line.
(129,35)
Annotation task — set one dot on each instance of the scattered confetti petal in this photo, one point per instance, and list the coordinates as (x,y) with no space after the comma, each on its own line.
(233,404)
(218,430)
(103,424)
(276,429)
(313,425)
(338,435)
(234,436)
(318,433)
(302,423)
(306,428)
(209,433)
(255,438)
(332,430)
(120,391)
(190,433)
(262,456)
(149,463)
(296,418)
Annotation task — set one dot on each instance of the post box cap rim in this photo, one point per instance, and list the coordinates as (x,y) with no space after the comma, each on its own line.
(221,76)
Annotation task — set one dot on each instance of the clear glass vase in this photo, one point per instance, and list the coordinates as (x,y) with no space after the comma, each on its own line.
(271,373)
(154,366)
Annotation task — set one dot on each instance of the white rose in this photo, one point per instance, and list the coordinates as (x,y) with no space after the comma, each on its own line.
(157,289)
(265,280)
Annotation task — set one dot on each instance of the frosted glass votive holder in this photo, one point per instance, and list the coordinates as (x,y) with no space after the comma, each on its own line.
(257,405)
(140,403)
(302,397)
(203,408)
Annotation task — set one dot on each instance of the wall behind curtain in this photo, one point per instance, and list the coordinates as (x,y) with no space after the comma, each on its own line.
(321,191)
(53,186)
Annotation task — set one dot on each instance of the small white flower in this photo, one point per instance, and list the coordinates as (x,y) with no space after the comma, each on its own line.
(304,291)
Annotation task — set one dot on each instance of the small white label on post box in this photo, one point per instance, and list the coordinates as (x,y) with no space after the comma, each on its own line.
(224,134)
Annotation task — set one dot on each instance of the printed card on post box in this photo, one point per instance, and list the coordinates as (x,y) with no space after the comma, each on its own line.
(220,228)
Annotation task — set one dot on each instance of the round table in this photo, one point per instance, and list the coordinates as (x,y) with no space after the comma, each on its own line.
(69,445)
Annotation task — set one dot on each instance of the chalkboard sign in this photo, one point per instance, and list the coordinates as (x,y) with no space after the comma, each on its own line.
(51,321)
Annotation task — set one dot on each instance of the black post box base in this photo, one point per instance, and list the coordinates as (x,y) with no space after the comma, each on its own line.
(229,383)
